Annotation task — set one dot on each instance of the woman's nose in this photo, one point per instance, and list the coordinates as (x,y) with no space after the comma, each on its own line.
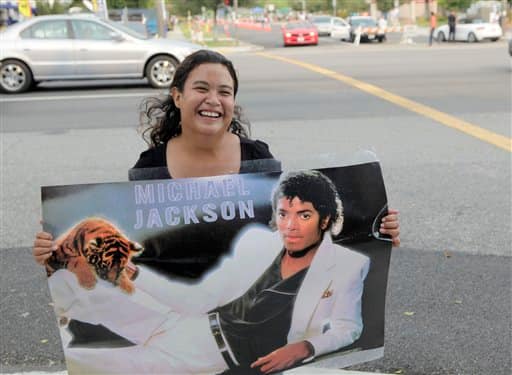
(212,98)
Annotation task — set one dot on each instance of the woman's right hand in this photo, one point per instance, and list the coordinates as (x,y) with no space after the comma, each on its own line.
(43,247)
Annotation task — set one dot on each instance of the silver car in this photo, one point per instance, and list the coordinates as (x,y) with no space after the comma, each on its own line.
(68,47)
(323,24)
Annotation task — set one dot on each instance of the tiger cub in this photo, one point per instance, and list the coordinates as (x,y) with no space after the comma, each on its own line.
(96,248)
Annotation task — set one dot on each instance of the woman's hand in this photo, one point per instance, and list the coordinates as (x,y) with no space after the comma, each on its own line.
(284,357)
(391,226)
(43,247)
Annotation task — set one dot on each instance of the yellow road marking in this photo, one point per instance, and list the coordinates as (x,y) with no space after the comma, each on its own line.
(441,117)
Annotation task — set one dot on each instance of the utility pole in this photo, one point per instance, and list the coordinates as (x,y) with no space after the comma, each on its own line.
(161,18)
(235,20)
(373,8)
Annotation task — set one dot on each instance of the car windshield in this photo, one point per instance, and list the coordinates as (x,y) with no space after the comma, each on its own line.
(363,22)
(321,19)
(126,29)
(298,25)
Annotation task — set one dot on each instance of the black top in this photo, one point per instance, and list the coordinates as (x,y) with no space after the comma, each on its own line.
(152,163)
(451,20)
(258,322)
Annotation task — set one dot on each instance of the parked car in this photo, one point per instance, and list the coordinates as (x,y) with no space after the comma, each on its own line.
(336,27)
(299,33)
(67,47)
(322,23)
(368,28)
(470,30)
(138,27)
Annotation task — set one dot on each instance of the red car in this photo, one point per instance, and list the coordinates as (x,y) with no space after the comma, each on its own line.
(299,33)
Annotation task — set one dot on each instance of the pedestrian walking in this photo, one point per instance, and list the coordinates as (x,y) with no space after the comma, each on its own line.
(433,25)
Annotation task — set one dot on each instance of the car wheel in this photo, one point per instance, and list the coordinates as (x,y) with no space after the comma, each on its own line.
(352,38)
(441,37)
(494,39)
(160,71)
(15,77)
(472,38)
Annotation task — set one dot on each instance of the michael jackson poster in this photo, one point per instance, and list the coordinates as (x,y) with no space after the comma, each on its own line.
(235,274)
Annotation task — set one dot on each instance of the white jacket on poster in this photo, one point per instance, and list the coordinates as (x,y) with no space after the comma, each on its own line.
(327,309)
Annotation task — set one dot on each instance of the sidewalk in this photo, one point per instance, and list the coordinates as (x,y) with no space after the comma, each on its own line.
(177,34)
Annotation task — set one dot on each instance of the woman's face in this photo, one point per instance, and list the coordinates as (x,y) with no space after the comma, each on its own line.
(207,101)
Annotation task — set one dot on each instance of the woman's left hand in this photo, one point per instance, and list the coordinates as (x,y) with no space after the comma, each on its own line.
(391,226)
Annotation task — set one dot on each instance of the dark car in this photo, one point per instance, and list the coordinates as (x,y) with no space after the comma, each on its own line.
(368,28)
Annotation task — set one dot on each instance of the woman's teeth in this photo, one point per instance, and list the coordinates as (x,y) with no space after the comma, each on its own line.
(209,114)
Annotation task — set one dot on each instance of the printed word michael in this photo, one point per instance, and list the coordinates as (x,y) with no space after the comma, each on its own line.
(193,202)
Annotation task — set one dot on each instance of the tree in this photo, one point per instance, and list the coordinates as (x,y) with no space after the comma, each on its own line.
(45,8)
(454,4)
(120,4)
(194,6)
(385,5)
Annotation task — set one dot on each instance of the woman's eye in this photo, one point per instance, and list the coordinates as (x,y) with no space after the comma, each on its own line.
(281,215)
(306,216)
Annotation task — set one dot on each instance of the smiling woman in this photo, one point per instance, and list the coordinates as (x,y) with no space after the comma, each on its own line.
(197,129)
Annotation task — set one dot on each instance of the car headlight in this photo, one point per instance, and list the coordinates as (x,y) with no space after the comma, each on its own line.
(288,35)
(312,33)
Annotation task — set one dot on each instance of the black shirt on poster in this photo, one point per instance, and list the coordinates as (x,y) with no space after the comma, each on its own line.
(258,322)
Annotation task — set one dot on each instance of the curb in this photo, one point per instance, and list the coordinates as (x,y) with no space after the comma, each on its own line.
(176,34)
(242,47)
(298,371)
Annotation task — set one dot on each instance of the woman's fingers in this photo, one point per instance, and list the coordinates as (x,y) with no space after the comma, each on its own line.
(390,225)
(43,247)
(396,241)
(42,258)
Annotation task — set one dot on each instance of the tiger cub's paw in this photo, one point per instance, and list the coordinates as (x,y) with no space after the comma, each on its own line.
(86,277)
(126,284)
(86,280)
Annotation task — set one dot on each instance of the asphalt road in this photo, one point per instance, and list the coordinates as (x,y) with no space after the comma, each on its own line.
(453,190)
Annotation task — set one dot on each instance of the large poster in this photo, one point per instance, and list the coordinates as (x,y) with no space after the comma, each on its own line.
(247,273)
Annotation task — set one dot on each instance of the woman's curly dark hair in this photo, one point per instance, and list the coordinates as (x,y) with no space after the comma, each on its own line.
(160,118)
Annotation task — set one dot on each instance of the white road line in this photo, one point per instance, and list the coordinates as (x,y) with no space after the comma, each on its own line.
(3,99)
